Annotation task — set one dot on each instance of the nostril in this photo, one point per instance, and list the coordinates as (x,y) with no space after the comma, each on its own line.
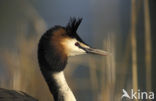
(77,44)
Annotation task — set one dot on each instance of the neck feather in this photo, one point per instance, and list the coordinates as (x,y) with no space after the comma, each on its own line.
(52,64)
(58,86)
(63,89)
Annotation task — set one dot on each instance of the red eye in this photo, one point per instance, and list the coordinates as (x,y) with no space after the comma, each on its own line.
(77,44)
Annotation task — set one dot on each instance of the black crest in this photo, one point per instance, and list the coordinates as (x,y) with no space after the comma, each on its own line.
(73,25)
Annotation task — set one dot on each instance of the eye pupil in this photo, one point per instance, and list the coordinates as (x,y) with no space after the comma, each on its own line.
(77,44)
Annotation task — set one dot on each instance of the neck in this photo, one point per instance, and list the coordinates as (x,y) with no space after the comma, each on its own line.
(58,86)
(52,64)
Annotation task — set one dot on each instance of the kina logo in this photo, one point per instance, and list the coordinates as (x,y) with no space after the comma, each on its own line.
(137,95)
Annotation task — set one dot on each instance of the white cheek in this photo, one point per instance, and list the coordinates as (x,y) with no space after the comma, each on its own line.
(74,50)
(71,48)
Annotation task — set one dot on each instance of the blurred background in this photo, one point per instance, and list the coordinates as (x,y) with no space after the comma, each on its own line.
(126,28)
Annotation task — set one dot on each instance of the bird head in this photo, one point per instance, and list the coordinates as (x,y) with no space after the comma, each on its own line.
(60,42)
(69,41)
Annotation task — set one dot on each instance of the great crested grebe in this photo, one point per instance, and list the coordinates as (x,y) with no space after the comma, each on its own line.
(54,48)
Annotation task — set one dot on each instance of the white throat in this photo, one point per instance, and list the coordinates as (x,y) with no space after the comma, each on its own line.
(64,88)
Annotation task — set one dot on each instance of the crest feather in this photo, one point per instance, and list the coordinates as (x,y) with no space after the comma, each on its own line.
(73,25)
